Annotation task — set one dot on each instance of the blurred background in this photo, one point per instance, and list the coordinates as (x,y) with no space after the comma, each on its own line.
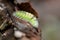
(49,17)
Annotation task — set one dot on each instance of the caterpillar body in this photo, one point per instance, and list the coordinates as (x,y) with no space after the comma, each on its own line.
(27,17)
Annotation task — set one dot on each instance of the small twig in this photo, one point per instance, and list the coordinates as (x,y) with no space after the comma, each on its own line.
(3,25)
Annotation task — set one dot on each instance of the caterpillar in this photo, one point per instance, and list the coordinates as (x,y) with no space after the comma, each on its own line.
(27,17)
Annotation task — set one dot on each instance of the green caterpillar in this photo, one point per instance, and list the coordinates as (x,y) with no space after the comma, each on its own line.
(27,17)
